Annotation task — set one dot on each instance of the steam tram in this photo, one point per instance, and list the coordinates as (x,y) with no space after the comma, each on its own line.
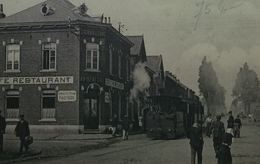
(169,117)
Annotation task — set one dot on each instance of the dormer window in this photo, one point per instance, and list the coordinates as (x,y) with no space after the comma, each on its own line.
(83,9)
(46,10)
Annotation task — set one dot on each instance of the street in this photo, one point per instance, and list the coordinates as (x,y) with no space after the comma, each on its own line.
(141,150)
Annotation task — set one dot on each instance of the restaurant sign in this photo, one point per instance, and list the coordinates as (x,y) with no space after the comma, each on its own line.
(36,80)
(114,84)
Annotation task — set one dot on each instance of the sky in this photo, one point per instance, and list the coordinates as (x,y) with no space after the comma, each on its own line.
(184,31)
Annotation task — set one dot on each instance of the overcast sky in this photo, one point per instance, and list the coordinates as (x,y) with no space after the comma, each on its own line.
(183,31)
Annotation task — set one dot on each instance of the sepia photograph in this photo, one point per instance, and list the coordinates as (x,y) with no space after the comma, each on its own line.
(129,81)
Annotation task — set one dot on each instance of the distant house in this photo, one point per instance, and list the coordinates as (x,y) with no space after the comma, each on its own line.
(137,55)
(61,67)
(138,51)
(155,64)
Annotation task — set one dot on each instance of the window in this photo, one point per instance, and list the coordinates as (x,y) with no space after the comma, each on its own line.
(92,57)
(49,56)
(13,57)
(48,105)
(119,65)
(127,69)
(110,60)
(12,105)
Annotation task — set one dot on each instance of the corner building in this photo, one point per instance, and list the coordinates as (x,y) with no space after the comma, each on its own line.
(63,69)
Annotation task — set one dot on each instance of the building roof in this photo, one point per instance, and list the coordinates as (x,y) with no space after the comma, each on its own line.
(154,62)
(61,10)
(138,41)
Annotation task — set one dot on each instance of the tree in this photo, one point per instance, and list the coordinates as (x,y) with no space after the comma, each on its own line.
(210,88)
(246,87)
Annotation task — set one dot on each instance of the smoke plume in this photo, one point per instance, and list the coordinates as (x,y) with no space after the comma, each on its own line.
(141,80)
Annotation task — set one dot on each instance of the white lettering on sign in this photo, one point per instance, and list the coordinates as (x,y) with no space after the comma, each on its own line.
(114,84)
(36,80)
(67,96)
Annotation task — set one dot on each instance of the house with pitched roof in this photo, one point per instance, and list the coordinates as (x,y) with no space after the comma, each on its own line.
(155,63)
(62,68)
(137,56)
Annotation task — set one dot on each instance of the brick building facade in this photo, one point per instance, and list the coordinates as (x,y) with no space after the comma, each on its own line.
(61,67)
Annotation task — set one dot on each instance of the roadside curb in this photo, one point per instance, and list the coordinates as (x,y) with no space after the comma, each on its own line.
(25,157)
(69,139)
(40,155)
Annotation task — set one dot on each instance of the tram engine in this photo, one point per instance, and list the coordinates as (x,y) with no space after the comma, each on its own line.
(170,117)
(164,118)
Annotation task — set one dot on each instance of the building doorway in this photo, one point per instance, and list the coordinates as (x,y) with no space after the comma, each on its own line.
(91,113)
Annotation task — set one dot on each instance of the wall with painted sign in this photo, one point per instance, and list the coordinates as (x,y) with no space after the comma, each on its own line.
(36,80)
(67,96)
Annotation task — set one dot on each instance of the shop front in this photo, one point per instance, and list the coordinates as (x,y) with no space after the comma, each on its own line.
(101,98)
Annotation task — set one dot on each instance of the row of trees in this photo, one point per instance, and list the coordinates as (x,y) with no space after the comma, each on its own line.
(246,89)
(210,88)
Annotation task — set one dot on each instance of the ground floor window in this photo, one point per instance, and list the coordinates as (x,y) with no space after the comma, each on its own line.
(48,105)
(12,105)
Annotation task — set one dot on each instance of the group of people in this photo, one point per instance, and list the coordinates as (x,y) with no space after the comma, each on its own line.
(21,130)
(124,126)
(222,139)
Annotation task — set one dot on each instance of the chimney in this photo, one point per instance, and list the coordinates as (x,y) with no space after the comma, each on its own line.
(105,19)
(109,20)
(2,15)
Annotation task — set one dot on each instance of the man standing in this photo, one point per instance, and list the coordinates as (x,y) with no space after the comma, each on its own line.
(230,121)
(22,131)
(196,143)
(114,125)
(125,126)
(208,125)
(218,133)
(237,126)
(2,131)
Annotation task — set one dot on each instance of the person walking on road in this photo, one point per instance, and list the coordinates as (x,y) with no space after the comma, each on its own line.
(2,132)
(196,143)
(208,125)
(218,133)
(125,127)
(224,153)
(230,121)
(114,125)
(237,126)
(22,131)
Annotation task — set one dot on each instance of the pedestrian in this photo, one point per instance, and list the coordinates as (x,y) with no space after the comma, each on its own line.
(22,131)
(230,121)
(218,133)
(237,126)
(114,125)
(208,125)
(2,131)
(196,143)
(224,153)
(125,127)
(229,135)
